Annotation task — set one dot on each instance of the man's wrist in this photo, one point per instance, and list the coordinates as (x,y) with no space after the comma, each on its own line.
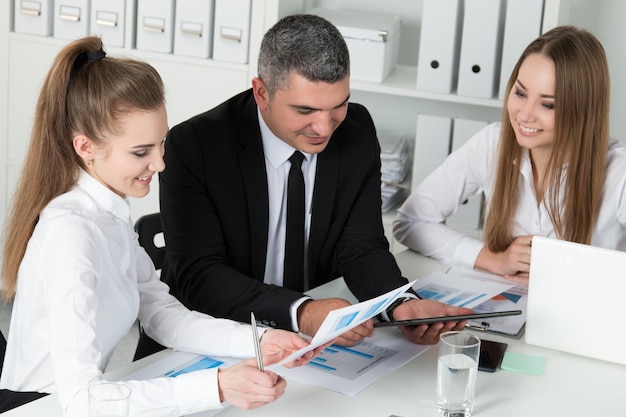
(297,310)
(400,300)
(410,294)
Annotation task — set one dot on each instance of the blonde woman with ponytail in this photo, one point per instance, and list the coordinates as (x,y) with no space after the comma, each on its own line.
(72,264)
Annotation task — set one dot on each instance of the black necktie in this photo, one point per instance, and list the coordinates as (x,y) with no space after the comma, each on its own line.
(293,275)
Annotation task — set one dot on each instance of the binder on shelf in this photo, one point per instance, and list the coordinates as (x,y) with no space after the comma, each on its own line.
(193,28)
(34,17)
(522,24)
(432,144)
(479,63)
(71,19)
(437,63)
(468,214)
(463,130)
(155,25)
(108,19)
(231,31)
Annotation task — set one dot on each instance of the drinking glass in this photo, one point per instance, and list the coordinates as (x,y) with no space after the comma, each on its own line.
(457,366)
(109,399)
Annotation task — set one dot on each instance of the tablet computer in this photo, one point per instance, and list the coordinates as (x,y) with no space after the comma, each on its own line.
(430,320)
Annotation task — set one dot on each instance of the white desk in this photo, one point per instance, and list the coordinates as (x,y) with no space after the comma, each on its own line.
(570,386)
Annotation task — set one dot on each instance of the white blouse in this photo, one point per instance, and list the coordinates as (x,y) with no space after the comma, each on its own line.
(420,222)
(83,282)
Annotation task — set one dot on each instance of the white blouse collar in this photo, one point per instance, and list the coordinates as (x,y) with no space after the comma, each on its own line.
(106,199)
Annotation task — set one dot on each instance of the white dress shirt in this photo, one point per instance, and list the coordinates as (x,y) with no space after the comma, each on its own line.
(420,222)
(82,283)
(277,153)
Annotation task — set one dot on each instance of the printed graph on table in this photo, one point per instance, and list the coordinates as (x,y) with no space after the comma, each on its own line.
(178,363)
(350,363)
(501,302)
(195,365)
(515,298)
(449,295)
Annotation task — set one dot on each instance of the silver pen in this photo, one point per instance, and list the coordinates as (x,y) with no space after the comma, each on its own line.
(257,343)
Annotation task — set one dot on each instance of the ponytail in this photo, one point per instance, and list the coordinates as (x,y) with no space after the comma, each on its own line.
(84,92)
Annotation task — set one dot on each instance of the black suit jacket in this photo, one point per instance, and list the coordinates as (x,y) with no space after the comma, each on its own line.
(214,207)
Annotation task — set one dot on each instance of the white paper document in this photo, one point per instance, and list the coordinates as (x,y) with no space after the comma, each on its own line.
(179,363)
(349,370)
(515,298)
(482,291)
(362,364)
(343,319)
(460,287)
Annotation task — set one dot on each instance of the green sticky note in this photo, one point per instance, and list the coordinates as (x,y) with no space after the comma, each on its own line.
(525,364)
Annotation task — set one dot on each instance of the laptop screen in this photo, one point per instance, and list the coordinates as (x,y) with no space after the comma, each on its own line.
(576,299)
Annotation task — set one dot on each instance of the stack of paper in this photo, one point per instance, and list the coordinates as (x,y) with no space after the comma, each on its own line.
(395,157)
(392,195)
(483,292)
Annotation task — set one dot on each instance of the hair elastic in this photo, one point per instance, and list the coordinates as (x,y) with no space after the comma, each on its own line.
(96,55)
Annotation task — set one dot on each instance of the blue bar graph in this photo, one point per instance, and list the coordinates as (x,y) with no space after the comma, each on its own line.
(350,362)
(204,363)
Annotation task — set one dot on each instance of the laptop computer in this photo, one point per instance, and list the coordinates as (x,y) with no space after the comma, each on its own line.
(576,299)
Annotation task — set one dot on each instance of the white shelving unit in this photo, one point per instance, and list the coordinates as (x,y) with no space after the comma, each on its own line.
(192,85)
(195,85)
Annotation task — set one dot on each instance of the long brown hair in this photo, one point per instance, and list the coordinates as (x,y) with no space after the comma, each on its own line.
(581,137)
(84,92)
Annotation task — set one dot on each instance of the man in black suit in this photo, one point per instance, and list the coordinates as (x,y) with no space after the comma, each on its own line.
(223,194)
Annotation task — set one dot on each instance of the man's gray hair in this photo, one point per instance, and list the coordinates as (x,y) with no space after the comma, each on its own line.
(305,44)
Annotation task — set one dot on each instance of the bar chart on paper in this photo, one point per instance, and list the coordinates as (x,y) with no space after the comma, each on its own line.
(460,287)
(481,291)
(350,363)
(349,370)
(450,295)
(179,363)
(196,365)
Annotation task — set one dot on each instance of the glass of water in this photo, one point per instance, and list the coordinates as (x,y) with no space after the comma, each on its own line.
(109,399)
(457,367)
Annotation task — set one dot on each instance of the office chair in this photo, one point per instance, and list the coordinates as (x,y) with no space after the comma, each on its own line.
(147,228)
(3,348)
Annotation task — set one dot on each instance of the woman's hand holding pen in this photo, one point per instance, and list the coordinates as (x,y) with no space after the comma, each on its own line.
(244,386)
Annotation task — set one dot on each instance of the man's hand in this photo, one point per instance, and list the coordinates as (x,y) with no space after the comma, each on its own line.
(311,315)
(428,334)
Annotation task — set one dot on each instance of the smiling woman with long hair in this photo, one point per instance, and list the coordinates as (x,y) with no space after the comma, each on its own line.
(548,168)
(73,265)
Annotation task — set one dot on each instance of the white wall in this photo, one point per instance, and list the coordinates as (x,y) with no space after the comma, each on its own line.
(605,19)
(611,30)
(602,17)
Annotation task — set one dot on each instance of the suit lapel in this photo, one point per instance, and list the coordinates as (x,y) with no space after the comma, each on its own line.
(326,177)
(252,165)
